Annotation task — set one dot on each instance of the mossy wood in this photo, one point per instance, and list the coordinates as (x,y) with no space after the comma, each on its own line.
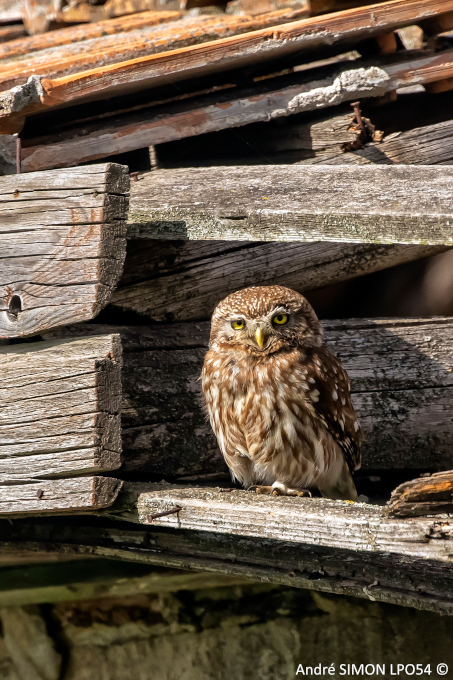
(369,204)
(62,243)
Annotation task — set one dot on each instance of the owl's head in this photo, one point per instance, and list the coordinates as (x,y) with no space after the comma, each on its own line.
(264,319)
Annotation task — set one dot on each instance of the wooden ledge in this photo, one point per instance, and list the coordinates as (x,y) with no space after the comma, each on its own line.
(320,522)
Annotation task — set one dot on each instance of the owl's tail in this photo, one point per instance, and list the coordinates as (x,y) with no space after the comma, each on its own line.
(342,489)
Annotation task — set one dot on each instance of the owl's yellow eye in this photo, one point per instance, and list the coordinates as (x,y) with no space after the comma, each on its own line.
(237,324)
(280,319)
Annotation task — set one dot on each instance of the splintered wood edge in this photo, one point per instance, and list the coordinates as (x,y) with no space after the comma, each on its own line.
(430,495)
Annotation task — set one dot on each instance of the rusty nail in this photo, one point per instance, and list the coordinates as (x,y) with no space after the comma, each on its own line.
(18,155)
(135,176)
(358,114)
(164,514)
(291,573)
(40,493)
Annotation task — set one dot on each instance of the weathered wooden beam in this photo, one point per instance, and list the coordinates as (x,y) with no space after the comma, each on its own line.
(428,145)
(153,38)
(405,580)
(219,55)
(401,379)
(77,495)
(74,34)
(97,578)
(62,245)
(370,204)
(427,495)
(232,107)
(60,405)
(184,280)
(333,524)
(11,32)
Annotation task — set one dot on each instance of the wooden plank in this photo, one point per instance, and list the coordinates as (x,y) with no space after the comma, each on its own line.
(401,375)
(427,495)
(73,34)
(62,245)
(184,280)
(59,496)
(12,32)
(398,204)
(233,52)
(428,145)
(231,108)
(153,38)
(386,577)
(60,404)
(335,524)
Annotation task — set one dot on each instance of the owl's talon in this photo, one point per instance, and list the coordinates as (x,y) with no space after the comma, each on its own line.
(280,489)
(257,488)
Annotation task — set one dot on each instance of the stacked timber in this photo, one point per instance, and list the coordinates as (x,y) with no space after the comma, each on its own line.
(107,285)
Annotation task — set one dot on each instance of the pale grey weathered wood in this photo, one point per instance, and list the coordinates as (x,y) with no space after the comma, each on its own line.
(401,374)
(62,245)
(59,495)
(60,405)
(370,204)
(322,522)
(184,280)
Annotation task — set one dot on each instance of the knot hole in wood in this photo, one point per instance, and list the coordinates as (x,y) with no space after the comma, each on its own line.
(14,307)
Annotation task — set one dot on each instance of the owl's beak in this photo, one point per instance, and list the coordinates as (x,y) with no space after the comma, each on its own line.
(259,337)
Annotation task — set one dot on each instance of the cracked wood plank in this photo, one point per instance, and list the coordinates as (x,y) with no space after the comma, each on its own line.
(233,107)
(369,204)
(320,522)
(62,245)
(59,495)
(60,404)
(250,48)
(184,280)
(401,373)
(386,577)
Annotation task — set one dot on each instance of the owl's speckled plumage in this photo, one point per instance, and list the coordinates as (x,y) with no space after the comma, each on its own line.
(282,413)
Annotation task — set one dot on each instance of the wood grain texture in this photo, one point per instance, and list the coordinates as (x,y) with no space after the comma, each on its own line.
(62,245)
(296,203)
(401,373)
(322,522)
(234,107)
(154,37)
(428,145)
(184,280)
(60,404)
(431,495)
(59,495)
(233,52)
(67,36)
(403,580)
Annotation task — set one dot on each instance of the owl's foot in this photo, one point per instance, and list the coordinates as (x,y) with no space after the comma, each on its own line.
(257,488)
(279,489)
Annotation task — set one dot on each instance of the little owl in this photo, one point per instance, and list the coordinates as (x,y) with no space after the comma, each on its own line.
(279,401)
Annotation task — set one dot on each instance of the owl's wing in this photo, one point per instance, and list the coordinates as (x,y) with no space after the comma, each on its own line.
(330,394)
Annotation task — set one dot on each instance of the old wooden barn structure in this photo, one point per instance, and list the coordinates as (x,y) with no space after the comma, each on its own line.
(154,158)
